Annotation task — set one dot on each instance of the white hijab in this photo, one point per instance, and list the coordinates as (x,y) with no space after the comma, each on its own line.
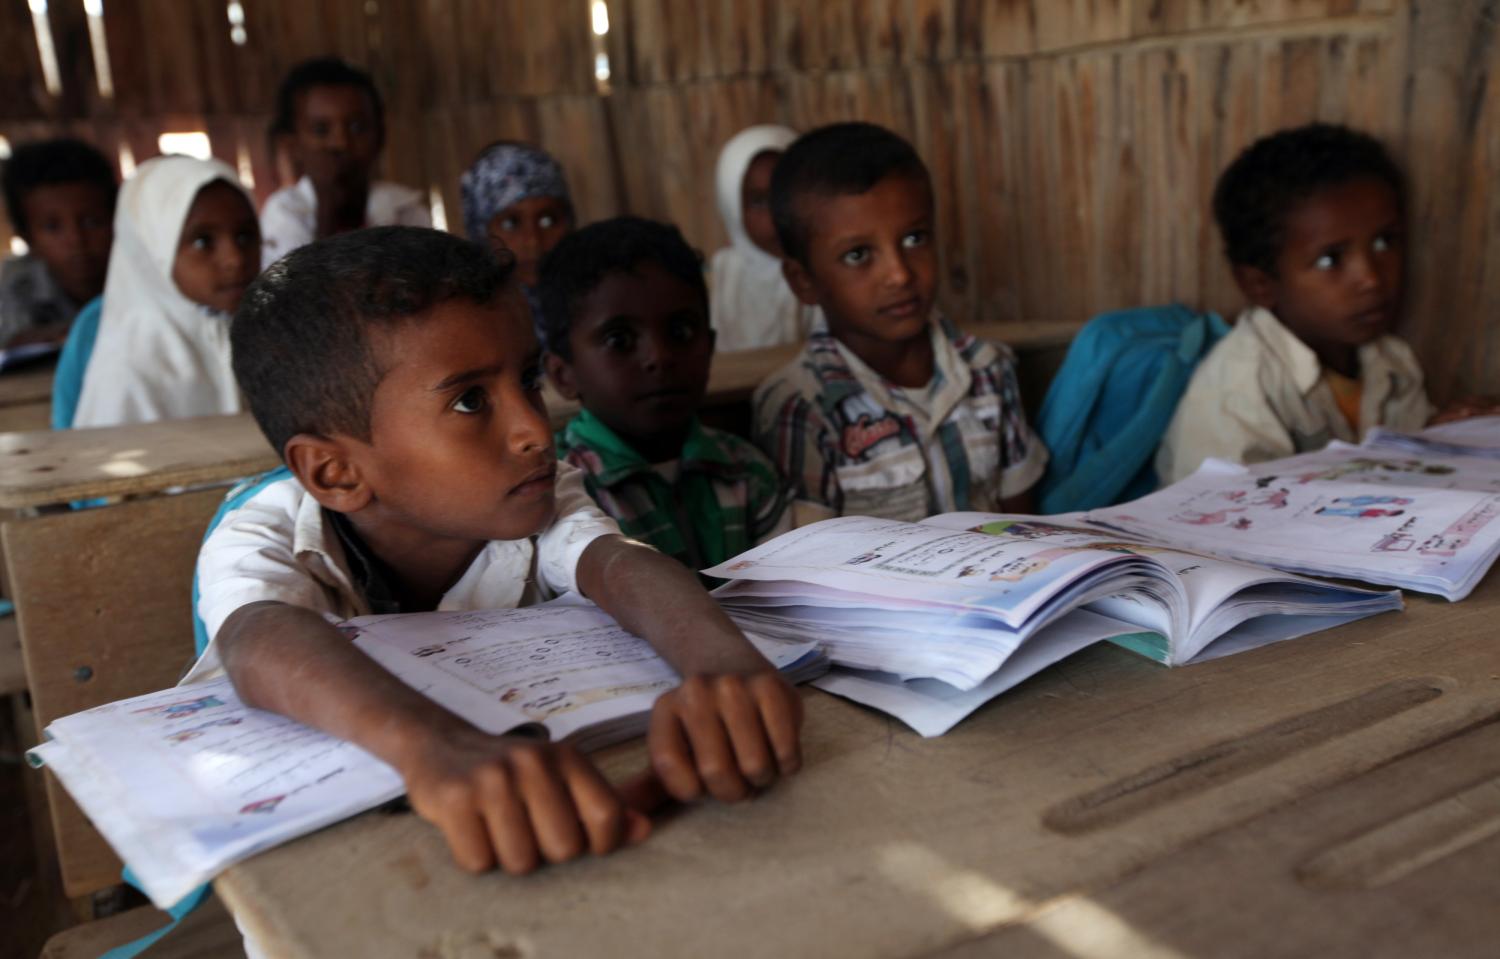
(159,355)
(749,300)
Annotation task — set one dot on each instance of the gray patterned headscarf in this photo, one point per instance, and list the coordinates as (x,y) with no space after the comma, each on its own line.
(504,175)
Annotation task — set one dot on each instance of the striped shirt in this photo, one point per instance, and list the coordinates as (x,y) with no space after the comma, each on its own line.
(854,443)
(718,499)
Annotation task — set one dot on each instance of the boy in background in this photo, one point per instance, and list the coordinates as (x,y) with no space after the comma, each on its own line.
(396,371)
(889,411)
(628,335)
(1314,227)
(60,196)
(332,120)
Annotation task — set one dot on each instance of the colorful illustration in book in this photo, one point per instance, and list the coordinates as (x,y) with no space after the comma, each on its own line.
(1244,501)
(183,735)
(1365,507)
(263,805)
(1028,529)
(183,708)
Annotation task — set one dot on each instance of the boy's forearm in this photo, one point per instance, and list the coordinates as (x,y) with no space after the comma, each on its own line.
(289,660)
(661,600)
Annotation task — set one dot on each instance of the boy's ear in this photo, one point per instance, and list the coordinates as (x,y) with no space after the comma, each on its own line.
(560,372)
(326,470)
(1258,286)
(800,281)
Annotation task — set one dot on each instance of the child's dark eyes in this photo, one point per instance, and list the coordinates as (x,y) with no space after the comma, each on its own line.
(856,256)
(510,224)
(203,242)
(683,329)
(1327,261)
(546,221)
(915,239)
(471,400)
(619,341)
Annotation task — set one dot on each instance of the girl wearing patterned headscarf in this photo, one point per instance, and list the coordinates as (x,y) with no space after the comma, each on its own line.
(750,303)
(515,196)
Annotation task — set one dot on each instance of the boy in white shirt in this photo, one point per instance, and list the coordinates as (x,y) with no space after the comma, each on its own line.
(1314,226)
(334,124)
(396,371)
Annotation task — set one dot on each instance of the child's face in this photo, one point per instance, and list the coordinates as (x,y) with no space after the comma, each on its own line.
(530,228)
(460,445)
(641,352)
(336,135)
(69,226)
(1340,270)
(755,202)
(871,263)
(218,252)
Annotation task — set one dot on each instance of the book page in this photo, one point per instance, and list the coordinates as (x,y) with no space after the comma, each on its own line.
(1384,467)
(1440,540)
(562,665)
(188,780)
(1013,577)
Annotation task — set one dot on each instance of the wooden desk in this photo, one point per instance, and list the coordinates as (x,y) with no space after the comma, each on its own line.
(1188,801)
(26,397)
(45,468)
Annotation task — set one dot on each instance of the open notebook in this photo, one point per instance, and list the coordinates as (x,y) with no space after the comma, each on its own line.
(187,781)
(1419,521)
(937,617)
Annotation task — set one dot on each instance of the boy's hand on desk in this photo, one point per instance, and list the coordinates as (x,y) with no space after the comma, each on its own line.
(517,801)
(726,734)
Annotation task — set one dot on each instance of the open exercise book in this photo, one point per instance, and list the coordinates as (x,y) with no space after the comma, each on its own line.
(1416,519)
(188,781)
(929,620)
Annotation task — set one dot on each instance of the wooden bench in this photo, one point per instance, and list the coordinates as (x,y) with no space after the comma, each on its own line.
(1330,795)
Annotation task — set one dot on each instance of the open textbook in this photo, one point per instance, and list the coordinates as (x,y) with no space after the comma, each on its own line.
(187,781)
(1478,436)
(941,615)
(1418,521)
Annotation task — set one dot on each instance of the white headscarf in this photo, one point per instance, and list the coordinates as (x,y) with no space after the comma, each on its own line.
(159,355)
(749,300)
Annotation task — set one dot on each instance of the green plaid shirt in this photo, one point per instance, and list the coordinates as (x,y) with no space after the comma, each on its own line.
(726,497)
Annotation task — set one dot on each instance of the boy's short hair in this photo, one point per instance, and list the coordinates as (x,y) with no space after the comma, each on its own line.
(582,259)
(834,160)
(322,72)
(1275,173)
(301,338)
(50,162)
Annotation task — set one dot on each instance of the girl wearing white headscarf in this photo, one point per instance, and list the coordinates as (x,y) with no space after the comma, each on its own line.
(749,302)
(161,355)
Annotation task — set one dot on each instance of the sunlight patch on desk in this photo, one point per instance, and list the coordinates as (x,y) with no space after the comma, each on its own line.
(1079,926)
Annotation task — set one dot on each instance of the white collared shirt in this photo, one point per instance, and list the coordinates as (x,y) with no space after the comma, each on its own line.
(1260,394)
(289,218)
(279,546)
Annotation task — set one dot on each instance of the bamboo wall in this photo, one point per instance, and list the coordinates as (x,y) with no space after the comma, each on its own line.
(1074,143)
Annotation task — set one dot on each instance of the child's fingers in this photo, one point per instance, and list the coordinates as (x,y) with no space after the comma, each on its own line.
(600,809)
(781,712)
(644,792)
(740,714)
(698,710)
(670,755)
(506,819)
(555,825)
(468,838)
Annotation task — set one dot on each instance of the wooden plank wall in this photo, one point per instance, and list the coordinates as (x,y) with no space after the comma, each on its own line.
(1074,143)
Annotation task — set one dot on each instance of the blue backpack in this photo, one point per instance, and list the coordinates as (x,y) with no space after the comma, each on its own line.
(67,382)
(1112,401)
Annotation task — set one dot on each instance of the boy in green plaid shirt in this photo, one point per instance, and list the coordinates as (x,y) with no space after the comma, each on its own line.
(625,312)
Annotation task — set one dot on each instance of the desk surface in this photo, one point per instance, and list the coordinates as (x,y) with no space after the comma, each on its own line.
(42,468)
(29,384)
(1152,806)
